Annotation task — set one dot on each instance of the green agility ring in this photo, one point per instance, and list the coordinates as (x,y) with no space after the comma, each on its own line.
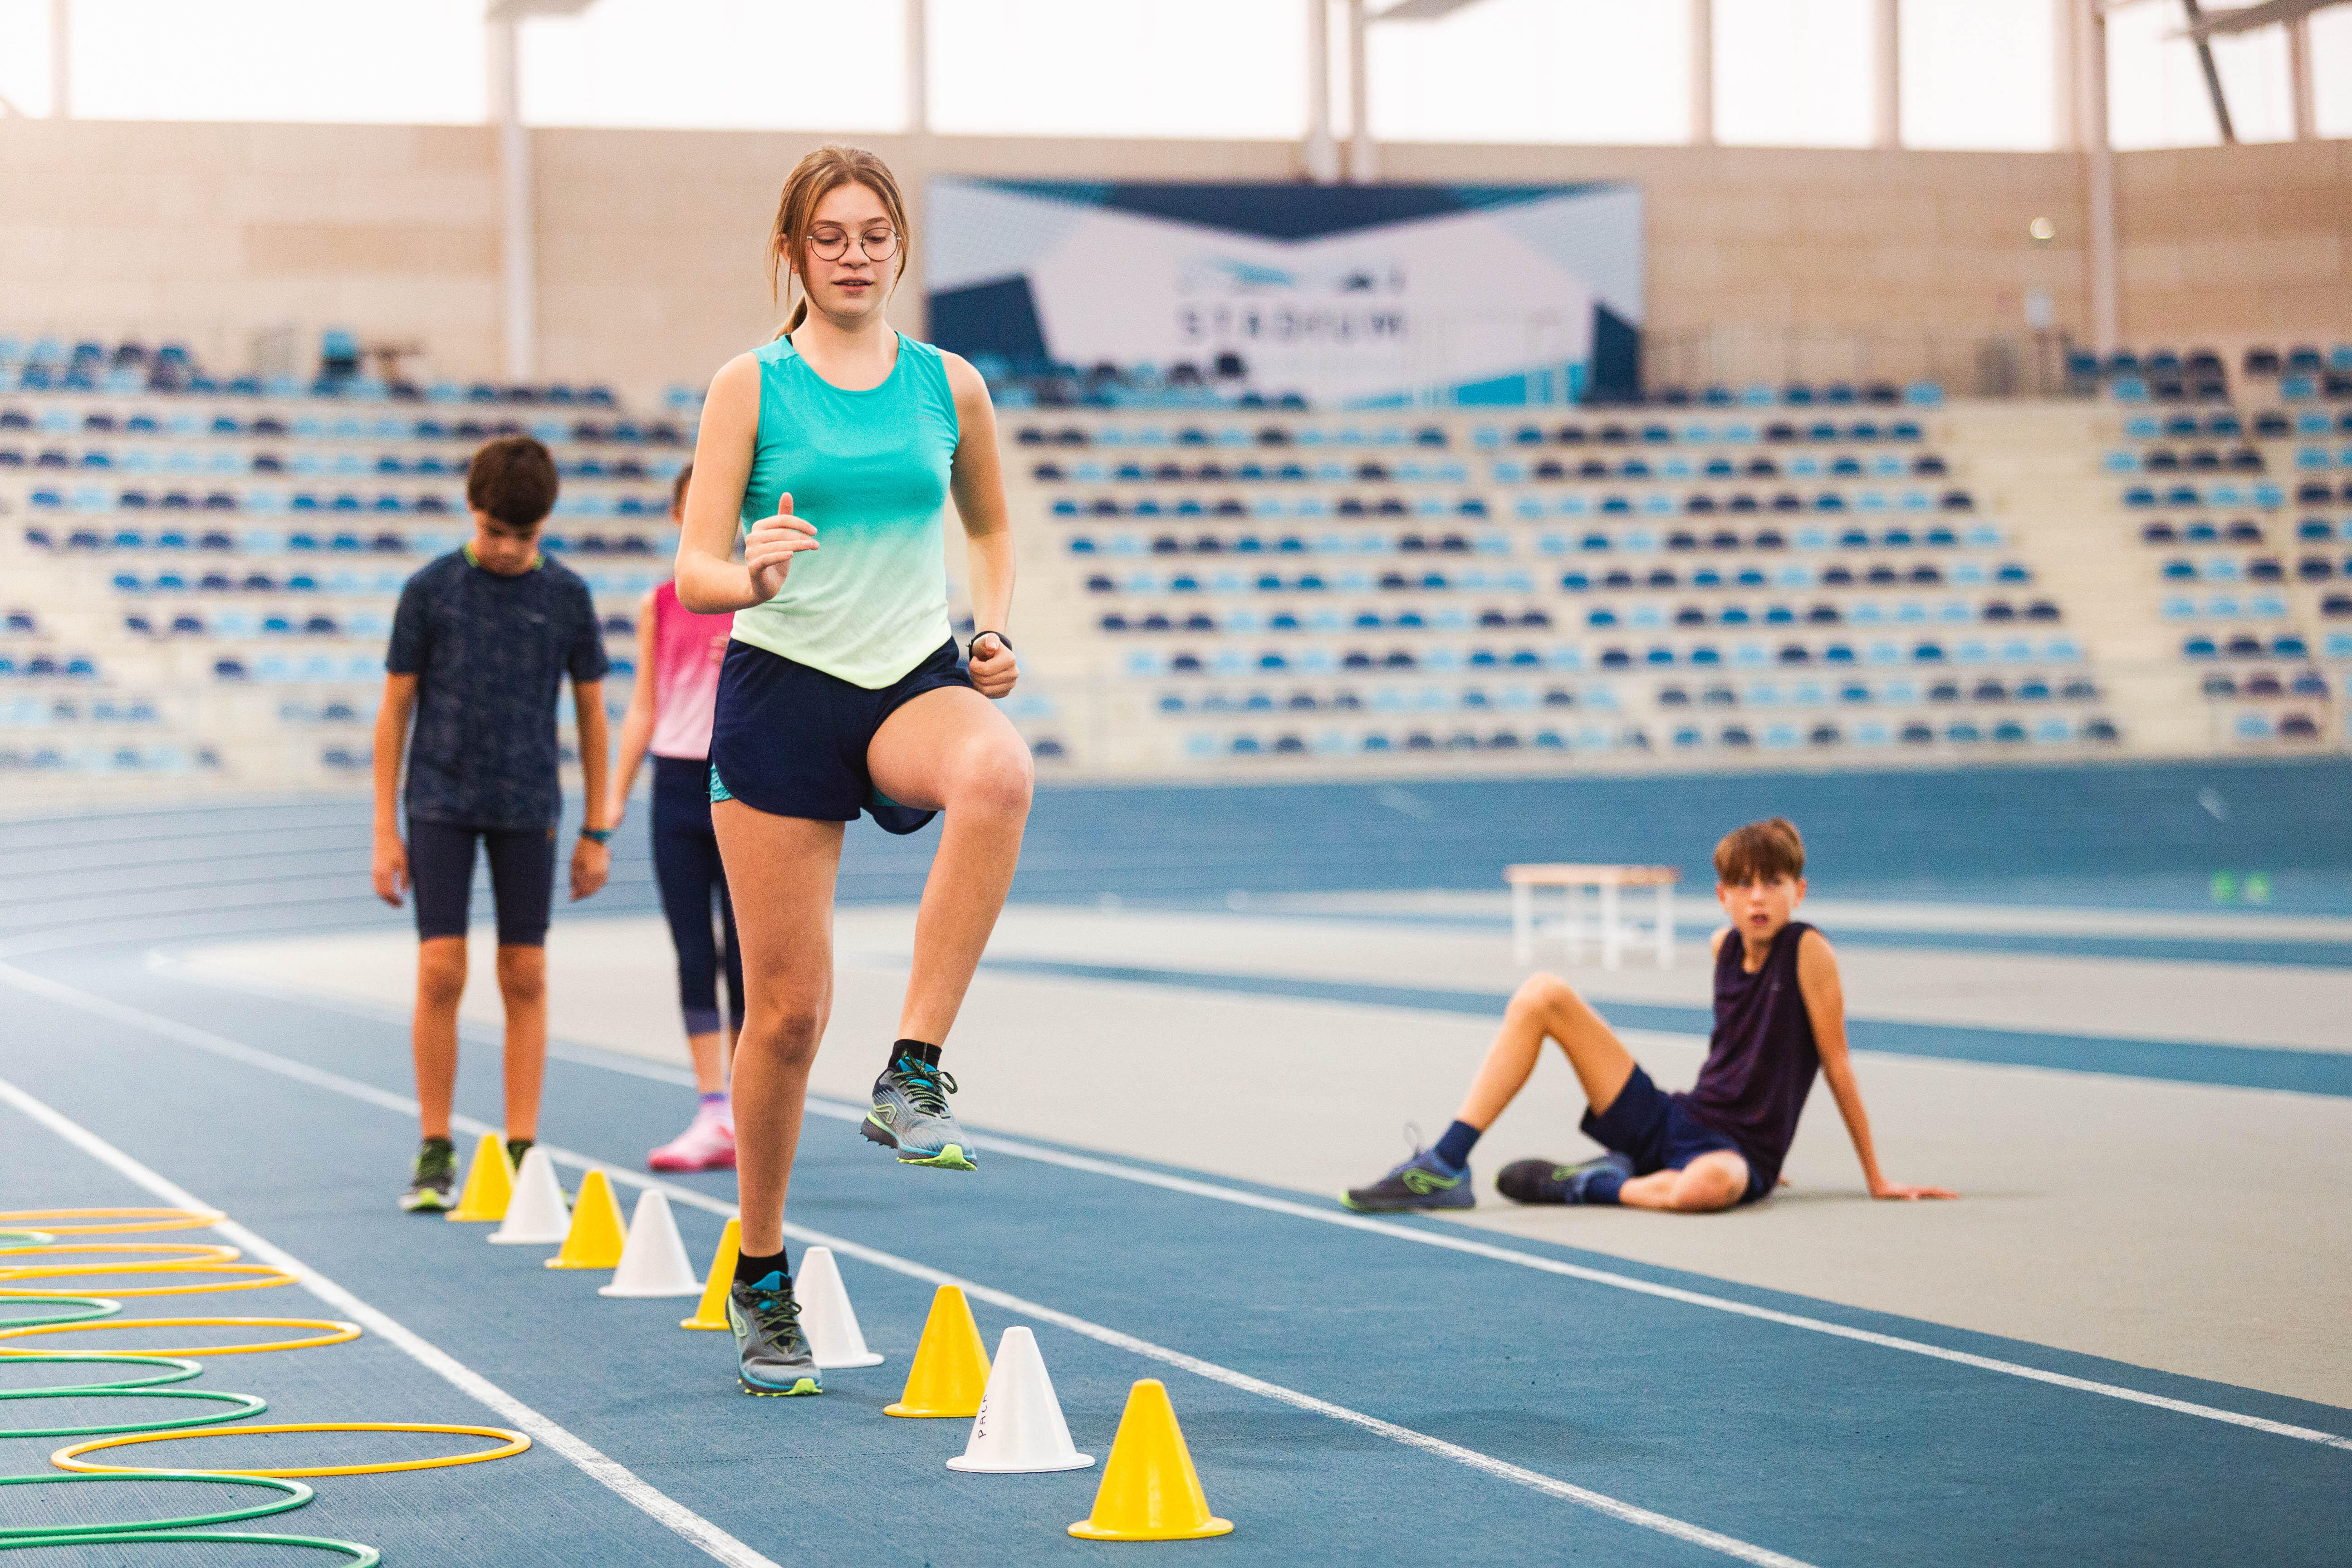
(293,1495)
(97,1307)
(181,1371)
(361,1556)
(253,1406)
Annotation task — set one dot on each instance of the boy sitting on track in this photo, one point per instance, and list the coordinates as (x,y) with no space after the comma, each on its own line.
(480,645)
(1779,1013)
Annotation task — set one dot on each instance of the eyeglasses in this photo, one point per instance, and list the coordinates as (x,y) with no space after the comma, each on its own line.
(831,244)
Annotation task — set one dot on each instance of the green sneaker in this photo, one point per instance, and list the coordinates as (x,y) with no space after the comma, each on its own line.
(432,1185)
(772,1354)
(911,1114)
(1423,1181)
(1549,1181)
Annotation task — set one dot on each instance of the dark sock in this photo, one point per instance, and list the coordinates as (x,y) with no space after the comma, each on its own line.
(751,1270)
(516,1148)
(929,1055)
(1454,1147)
(1600,1184)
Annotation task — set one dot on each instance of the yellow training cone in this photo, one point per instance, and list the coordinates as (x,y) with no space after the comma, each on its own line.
(489,1185)
(1150,1490)
(950,1370)
(597,1236)
(712,1313)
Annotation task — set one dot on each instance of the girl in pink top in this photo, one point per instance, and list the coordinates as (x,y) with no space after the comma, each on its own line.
(679,653)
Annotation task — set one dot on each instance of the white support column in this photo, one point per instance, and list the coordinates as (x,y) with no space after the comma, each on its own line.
(1363,161)
(918,67)
(1322,149)
(1887,75)
(2302,87)
(518,252)
(2098,168)
(61,59)
(2065,122)
(1702,73)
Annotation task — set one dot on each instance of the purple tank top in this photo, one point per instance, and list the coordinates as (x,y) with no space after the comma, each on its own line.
(1761,1059)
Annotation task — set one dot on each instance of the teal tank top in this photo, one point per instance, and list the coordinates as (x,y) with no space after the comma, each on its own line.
(870,470)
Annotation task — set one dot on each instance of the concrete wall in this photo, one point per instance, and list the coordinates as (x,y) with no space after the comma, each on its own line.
(650,242)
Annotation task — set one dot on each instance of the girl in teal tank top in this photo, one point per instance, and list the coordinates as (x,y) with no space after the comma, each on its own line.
(830,456)
(871,470)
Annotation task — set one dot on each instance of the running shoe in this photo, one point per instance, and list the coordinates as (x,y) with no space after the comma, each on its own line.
(910,1115)
(771,1353)
(1423,1182)
(516,1148)
(433,1183)
(1542,1181)
(707,1144)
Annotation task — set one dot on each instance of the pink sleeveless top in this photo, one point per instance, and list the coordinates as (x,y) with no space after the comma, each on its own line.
(687,651)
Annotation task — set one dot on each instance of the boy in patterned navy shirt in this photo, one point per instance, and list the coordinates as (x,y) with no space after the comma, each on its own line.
(480,645)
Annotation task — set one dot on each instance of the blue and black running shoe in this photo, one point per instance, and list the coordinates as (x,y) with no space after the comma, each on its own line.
(1423,1181)
(1544,1181)
(433,1181)
(911,1114)
(771,1353)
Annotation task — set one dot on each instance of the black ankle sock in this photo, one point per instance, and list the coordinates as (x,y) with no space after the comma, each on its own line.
(1455,1146)
(517,1148)
(928,1054)
(751,1270)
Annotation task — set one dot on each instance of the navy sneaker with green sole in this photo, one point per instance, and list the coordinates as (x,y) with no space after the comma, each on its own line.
(1423,1181)
(772,1354)
(433,1181)
(1548,1182)
(911,1114)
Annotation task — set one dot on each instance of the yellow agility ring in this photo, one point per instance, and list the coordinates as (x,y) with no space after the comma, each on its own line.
(188,1255)
(512,1443)
(269,1279)
(150,1219)
(335,1333)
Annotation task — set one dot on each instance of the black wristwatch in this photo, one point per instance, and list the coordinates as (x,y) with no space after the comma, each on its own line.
(597,835)
(985,632)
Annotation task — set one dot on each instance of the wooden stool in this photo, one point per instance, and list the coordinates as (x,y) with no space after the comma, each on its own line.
(1615,932)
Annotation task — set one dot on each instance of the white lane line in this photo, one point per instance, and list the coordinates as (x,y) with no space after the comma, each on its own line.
(1549,1486)
(608,1472)
(1453,1242)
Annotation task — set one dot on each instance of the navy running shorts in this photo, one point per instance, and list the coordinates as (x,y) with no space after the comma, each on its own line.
(791,741)
(1657,1131)
(522,880)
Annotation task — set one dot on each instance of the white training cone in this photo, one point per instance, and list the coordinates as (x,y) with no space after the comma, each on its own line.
(1020,1428)
(826,1315)
(654,1261)
(535,1214)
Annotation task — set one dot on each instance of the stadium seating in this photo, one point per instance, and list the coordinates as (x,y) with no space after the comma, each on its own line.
(203,573)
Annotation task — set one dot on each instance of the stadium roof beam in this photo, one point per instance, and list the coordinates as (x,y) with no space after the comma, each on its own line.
(2213,73)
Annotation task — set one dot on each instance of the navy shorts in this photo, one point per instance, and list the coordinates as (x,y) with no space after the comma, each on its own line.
(791,741)
(1658,1132)
(522,880)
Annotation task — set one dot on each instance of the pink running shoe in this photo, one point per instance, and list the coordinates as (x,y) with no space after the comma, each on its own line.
(707,1144)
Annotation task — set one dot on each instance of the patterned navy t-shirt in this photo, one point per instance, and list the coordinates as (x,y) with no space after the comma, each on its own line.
(491,654)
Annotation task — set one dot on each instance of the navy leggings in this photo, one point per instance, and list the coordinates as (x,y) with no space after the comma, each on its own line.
(686,866)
